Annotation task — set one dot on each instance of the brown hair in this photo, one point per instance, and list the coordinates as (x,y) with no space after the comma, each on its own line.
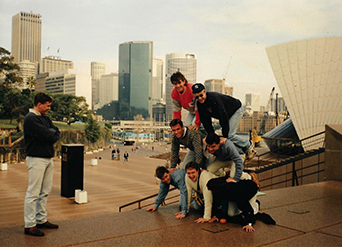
(177,76)
(176,121)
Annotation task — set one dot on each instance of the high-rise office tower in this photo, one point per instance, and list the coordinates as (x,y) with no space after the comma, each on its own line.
(157,80)
(253,100)
(135,76)
(186,63)
(278,106)
(26,37)
(214,85)
(97,69)
(108,89)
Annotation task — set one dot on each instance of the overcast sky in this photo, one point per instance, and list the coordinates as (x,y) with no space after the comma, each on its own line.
(215,31)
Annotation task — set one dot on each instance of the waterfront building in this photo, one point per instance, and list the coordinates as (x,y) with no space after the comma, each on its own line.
(186,63)
(135,77)
(26,37)
(54,63)
(310,80)
(253,100)
(259,121)
(215,85)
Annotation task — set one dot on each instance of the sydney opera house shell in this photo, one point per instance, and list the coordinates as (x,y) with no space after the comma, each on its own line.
(309,76)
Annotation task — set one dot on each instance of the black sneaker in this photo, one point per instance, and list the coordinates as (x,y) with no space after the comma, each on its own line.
(47,225)
(33,231)
(267,219)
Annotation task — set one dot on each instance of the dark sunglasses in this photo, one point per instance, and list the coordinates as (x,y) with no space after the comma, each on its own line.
(199,96)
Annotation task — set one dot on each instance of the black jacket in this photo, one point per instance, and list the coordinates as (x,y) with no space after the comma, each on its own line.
(40,134)
(219,106)
(240,193)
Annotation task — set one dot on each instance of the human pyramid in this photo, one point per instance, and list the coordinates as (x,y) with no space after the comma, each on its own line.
(211,176)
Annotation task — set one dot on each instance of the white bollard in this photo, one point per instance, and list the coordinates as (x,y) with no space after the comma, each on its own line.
(4,167)
(93,162)
(81,196)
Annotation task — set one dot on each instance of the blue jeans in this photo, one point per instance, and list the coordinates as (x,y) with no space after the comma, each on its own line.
(190,120)
(40,183)
(234,122)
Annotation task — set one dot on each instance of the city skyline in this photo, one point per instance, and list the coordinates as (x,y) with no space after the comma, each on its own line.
(215,32)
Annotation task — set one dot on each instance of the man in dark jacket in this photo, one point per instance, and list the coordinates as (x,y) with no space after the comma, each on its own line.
(228,197)
(227,110)
(40,134)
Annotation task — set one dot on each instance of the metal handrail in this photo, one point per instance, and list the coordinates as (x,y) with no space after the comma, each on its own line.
(290,145)
(293,171)
(144,199)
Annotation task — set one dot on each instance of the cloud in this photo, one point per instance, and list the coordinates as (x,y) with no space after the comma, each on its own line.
(290,19)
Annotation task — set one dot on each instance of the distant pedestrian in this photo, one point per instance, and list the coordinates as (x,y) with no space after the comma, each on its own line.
(126,156)
(113,154)
(118,153)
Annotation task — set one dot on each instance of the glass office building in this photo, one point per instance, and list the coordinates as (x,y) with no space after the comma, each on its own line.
(135,77)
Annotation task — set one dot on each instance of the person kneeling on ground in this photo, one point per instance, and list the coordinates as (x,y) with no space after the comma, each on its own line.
(177,179)
(228,197)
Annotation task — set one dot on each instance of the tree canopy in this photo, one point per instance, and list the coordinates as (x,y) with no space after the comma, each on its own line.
(15,103)
(9,69)
(92,130)
(68,108)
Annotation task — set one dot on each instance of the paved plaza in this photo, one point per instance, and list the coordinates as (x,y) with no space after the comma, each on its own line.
(308,215)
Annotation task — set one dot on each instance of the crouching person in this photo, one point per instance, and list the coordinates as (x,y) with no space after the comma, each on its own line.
(196,181)
(177,179)
(236,202)
(227,155)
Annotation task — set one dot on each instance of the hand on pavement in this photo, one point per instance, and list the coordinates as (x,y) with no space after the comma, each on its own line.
(151,209)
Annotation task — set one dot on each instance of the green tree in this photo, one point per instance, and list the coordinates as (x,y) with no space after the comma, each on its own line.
(92,130)
(14,103)
(106,133)
(68,108)
(9,69)
(31,82)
